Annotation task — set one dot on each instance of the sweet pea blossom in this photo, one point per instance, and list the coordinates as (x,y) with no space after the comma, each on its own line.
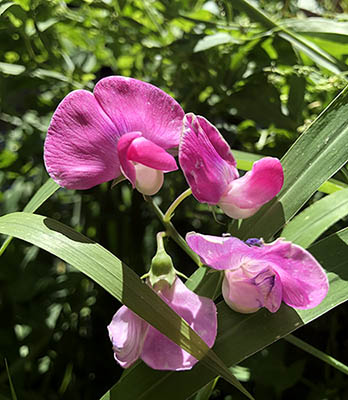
(262,275)
(121,130)
(210,170)
(133,338)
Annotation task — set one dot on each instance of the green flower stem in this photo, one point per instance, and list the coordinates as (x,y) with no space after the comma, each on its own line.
(169,213)
(317,353)
(172,232)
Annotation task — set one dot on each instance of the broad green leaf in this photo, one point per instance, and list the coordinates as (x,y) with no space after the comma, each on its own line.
(116,278)
(45,192)
(307,226)
(11,69)
(242,335)
(317,154)
(214,40)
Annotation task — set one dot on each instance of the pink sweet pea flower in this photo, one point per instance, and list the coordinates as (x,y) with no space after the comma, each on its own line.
(262,275)
(124,127)
(133,338)
(210,170)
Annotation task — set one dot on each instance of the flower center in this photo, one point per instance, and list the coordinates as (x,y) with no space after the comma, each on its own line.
(148,180)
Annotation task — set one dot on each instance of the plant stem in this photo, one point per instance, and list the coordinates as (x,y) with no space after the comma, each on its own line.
(172,232)
(169,213)
(317,353)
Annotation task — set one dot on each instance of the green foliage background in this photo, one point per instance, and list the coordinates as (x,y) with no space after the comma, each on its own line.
(247,77)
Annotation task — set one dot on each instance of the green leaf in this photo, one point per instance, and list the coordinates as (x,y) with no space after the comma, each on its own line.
(307,226)
(45,192)
(116,278)
(11,69)
(317,154)
(318,55)
(214,40)
(317,25)
(242,335)
(5,6)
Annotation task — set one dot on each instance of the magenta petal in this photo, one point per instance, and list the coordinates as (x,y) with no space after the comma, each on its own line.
(205,159)
(219,252)
(258,186)
(80,147)
(127,166)
(147,153)
(136,106)
(304,281)
(127,333)
(199,312)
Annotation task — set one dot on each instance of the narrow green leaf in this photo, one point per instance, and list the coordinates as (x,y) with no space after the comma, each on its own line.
(317,353)
(13,393)
(317,154)
(44,193)
(116,278)
(317,54)
(214,40)
(317,25)
(11,69)
(307,226)
(5,7)
(242,335)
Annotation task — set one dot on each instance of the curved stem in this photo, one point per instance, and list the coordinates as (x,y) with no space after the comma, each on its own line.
(172,232)
(169,213)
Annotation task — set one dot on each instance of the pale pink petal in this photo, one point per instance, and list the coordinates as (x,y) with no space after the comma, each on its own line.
(151,155)
(200,313)
(220,252)
(252,286)
(80,147)
(205,159)
(247,194)
(134,105)
(148,180)
(127,333)
(304,281)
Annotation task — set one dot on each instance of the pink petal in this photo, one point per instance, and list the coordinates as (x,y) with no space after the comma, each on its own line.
(220,253)
(123,145)
(246,290)
(304,281)
(258,186)
(80,147)
(151,155)
(205,159)
(127,333)
(200,313)
(136,106)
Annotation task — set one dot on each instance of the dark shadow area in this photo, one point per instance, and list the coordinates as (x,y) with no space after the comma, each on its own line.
(66,231)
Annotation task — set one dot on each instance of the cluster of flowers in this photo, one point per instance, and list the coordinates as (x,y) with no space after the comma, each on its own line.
(129,129)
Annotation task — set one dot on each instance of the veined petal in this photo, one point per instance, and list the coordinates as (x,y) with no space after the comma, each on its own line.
(80,147)
(134,105)
(151,155)
(246,291)
(304,281)
(220,253)
(199,312)
(247,194)
(206,159)
(127,333)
